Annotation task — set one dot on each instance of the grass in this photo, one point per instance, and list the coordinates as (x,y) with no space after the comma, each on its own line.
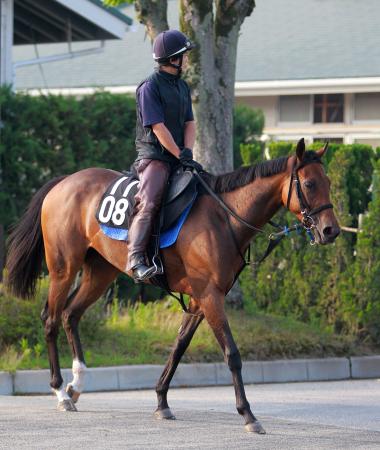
(144,334)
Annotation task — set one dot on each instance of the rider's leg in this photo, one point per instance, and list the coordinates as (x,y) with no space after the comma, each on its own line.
(153,175)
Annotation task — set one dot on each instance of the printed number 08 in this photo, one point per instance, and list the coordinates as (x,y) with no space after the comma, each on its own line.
(116,210)
(121,207)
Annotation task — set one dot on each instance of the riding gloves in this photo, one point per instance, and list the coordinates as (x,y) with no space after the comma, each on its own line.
(186,159)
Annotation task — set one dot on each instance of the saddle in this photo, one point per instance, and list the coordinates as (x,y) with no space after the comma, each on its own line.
(116,207)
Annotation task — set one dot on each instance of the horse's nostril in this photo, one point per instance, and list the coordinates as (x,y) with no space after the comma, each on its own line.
(331,232)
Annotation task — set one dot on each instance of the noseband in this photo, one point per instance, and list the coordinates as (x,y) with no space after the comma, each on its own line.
(307,213)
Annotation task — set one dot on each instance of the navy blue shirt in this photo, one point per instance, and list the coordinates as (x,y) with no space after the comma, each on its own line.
(151,107)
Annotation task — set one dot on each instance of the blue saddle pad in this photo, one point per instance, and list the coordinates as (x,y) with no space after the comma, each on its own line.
(167,238)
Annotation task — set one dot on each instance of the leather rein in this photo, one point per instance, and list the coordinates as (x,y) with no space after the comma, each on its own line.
(307,222)
(307,213)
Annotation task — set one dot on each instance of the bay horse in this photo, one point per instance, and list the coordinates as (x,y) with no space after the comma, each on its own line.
(60,222)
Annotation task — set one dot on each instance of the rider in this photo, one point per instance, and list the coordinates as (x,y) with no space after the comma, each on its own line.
(165,135)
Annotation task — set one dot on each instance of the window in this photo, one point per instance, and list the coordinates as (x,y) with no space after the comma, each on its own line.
(295,108)
(331,140)
(367,106)
(328,108)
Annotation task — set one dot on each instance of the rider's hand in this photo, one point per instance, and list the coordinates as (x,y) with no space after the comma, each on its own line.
(186,159)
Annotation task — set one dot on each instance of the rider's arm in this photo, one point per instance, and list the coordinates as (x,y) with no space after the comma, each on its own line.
(189,131)
(189,134)
(165,138)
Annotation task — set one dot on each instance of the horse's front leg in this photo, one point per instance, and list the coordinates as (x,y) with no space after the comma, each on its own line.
(190,323)
(213,308)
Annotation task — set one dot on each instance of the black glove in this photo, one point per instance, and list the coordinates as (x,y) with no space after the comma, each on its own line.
(186,159)
(185,154)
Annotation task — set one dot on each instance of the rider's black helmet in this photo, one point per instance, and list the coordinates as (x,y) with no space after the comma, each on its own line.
(169,44)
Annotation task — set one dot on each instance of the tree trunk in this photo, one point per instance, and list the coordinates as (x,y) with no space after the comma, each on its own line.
(212,75)
(153,14)
(212,68)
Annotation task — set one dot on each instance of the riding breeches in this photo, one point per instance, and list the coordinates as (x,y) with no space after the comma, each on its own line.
(153,175)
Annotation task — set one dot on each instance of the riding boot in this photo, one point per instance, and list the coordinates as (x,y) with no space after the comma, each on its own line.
(153,175)
(140,270)
(139,234)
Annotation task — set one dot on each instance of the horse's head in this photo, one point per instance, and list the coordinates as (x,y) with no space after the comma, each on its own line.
(306,194)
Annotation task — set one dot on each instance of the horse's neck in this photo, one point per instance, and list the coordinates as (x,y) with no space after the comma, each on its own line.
(256,203)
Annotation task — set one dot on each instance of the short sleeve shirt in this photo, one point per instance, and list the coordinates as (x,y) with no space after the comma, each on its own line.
(151,107)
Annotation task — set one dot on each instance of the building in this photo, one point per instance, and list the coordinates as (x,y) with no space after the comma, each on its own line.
(29,23)
(312,66)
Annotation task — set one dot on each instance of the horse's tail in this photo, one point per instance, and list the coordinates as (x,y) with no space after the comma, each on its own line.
(26,247)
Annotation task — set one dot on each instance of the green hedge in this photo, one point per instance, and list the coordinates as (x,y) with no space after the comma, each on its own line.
(336,285)
(45,136)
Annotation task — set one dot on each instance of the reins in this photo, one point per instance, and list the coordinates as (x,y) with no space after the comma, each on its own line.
(307,222)
(275,238)
(223,205)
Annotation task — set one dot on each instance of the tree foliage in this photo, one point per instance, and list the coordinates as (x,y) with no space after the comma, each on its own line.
(336,286)
(46,136)
(248,127)
(365,304)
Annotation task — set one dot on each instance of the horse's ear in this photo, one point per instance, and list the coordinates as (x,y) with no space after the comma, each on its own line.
(322,151)
(300,150)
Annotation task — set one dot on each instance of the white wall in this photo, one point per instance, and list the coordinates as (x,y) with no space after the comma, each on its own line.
(267,104)
(350,131)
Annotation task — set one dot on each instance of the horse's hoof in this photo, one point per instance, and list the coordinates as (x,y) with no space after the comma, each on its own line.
(164,414)
(254,427)
(73,394)
(66,405)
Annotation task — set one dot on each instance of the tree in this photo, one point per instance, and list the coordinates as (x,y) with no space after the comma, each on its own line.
(214,26)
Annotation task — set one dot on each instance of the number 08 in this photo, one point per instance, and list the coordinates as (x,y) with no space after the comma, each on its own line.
(111,208)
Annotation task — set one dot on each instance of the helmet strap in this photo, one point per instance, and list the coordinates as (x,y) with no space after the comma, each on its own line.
(177,66)
(167,62)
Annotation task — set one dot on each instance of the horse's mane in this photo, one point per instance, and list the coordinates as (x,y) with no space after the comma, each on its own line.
(245,175)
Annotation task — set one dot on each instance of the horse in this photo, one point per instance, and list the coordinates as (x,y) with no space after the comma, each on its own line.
(203,263)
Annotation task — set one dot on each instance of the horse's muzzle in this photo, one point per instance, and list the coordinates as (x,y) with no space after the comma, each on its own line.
(329,234)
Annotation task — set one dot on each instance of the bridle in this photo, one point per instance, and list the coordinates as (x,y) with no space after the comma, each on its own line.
(306,212)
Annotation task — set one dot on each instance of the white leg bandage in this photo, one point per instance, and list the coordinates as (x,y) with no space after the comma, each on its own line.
(79,369)
(61,394)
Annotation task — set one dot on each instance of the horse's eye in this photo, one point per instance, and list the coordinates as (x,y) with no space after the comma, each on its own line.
(309,184)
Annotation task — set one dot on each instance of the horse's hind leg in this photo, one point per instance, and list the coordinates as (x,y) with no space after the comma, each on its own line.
(96,276)
(60,284)
(190,323)
(212,306)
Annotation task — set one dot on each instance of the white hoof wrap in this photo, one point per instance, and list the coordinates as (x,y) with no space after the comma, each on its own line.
(79,369)
(61,394)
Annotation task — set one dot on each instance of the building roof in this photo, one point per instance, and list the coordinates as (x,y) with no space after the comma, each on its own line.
(54,21)
(281,40)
